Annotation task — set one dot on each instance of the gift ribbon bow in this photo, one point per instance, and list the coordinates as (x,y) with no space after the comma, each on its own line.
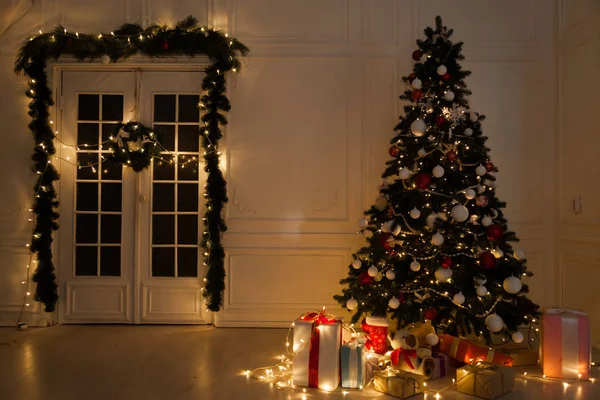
(395,356)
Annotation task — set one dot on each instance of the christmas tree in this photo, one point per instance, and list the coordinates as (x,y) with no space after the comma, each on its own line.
(438,247)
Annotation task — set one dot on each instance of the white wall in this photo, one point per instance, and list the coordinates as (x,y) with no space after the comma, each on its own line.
(579,62)
(313,112)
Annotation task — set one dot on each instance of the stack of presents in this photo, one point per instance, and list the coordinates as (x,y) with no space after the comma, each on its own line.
(328,355)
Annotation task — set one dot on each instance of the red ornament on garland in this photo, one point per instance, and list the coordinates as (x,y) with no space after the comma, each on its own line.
(417,95)
(165,45)
(416,55)
(423,180)
(487,260)
(439,120)
(447,262)
(366,328)
(489,167)
(430,313)
(394,151)
(494,232)
(451,155)
(364,278)
(446,76)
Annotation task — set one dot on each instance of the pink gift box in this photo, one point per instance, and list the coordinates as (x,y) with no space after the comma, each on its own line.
(565,349)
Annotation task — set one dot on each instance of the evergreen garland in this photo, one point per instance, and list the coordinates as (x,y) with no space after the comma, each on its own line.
(187,38)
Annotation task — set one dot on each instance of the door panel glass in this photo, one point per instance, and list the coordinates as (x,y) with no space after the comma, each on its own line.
(98,228)
(175,220)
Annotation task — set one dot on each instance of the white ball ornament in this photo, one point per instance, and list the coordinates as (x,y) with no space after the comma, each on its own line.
(363,223)
(432,339)
(105,59)
(486,221)
(438,171)
(416,83)
(480,170)
(372,271)
(386,227)
(415,213)
(459,213)
(494,323)
(494,213)
(356,264)
(498,253)
(378,277)
(481,280)
(404,173)
(459,298)
(473,116)
(351,304)
(418,127)
(441,70)
(390,274)
(443,274)
(512,285)
(421,152)
(397,230)
(481,290)
(394,303)
(437,239)
(519,254)
(431,219)
(381,203)
(468,132)
(415,266)
(517,337)
(449,95)
(470,194)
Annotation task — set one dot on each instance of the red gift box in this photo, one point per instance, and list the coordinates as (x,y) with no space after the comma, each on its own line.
(565,349)
(467,352)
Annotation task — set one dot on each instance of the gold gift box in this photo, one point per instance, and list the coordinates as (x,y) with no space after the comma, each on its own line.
(399,384)
(485,380)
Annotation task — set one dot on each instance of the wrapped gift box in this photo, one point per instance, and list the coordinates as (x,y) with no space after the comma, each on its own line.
(353,364)
(465,351)
(400,384)
(485,380)
(441,365)
(565,346)
(317,341)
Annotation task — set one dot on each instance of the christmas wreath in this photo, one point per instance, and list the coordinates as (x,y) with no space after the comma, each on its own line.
(134,145)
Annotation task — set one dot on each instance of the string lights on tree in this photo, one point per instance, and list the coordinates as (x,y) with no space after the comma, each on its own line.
(187,38)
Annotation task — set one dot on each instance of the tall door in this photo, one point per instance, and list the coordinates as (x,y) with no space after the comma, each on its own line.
(128,247)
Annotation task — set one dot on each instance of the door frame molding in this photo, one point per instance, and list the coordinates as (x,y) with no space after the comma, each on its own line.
(140,63)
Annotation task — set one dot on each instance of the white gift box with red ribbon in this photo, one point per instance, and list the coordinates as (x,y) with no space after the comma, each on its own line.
(317,341)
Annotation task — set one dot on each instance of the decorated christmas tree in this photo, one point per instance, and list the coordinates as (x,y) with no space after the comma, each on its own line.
(438,246)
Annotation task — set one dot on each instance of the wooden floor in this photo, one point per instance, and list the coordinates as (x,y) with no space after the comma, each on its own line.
(178,362)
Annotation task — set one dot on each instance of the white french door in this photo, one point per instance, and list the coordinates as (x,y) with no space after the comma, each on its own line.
(128,247)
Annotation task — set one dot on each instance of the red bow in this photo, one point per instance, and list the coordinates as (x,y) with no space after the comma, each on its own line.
(319,318)
(395,356)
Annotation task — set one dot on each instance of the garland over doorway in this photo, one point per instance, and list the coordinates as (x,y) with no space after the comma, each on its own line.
(188,38)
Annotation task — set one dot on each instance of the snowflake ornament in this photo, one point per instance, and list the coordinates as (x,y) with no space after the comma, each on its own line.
(455,114)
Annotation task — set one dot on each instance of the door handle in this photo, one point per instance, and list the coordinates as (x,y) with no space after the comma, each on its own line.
(143,199)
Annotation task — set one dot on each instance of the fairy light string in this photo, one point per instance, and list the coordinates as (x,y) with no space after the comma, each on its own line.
(186,38)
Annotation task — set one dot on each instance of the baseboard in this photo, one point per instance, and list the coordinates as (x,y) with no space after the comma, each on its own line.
(8,318)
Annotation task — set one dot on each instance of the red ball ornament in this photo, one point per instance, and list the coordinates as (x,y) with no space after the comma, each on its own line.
(439,120)
(423,180)
(394,151)
(447,262)
(451,155)
(487,260)
(364,278)
(489,167)
(494,232)
(482,201)
(430,313)
(384,238)
(165,45)
(417,54)
(366,328)
(411,77)
(446,76)
(401,297)
(417,94)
